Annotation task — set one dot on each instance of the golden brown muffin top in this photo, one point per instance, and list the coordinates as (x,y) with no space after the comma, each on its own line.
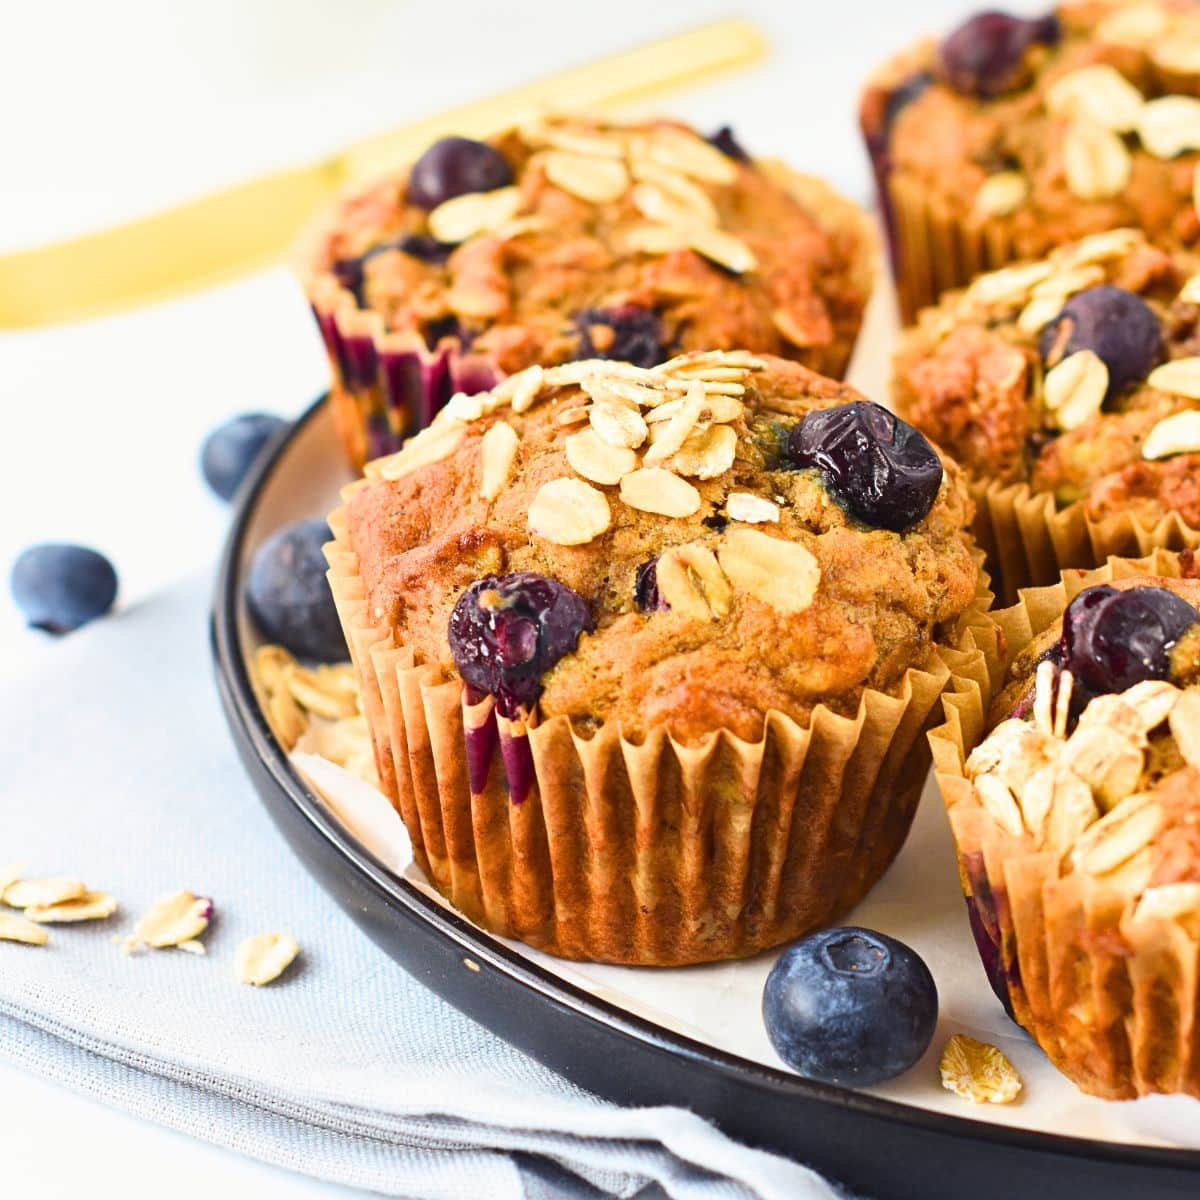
(1077,374)
(630,241)
(720,582)
(1095,754)
(1093,125)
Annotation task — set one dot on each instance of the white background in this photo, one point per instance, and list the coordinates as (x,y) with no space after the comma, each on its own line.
(110,110)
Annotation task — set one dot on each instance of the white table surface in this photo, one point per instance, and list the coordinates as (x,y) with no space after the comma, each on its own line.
(114,109)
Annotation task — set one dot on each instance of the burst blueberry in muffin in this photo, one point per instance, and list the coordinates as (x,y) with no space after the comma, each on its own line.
(1077,821)
(647,652)
(1069,388)
(574,239)
(1016,134)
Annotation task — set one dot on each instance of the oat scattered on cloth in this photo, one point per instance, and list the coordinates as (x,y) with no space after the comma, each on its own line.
(116,765)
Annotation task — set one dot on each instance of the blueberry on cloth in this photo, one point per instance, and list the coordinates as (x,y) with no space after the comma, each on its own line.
(453,167)
(60,587)
(850,1006)
(878,467)
(1117,326)
(985,55)
(507,631)
(231,450)
(1114,639)
(289,597)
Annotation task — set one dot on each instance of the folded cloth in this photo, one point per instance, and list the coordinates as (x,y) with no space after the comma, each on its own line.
(116,768)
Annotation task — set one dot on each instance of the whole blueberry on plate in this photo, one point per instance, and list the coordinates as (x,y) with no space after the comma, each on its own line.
(60,587)
(627,333)
(231,450)
(850,1006)
(289,597)
(453,167)
(507,631)
(878,467)
(985,55)
(1114,639)
(1116,325)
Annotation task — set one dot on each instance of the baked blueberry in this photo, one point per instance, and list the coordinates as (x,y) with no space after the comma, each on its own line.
(453,167)
(627,333)
(985,55)
(232,449)
(726,141)
(507,631)
(850,1006)
(645,587)
(60,587)
(878,467)
(1114,639)
(288,595)
(1116,325)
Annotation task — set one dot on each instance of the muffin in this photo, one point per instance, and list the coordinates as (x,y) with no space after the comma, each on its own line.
(1012,136)
(573,238)
(1069,389)
(648,653)
(1077,822)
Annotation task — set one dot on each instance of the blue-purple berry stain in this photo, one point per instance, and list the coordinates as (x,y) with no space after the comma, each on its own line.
(505,633)
(877,467)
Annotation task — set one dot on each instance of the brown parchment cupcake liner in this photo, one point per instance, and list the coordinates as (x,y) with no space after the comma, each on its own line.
(1112,998)
(1029,541)
(935,249)
(650,853)
(388,384)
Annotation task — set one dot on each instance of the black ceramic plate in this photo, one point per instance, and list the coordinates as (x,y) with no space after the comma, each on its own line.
(877,1146)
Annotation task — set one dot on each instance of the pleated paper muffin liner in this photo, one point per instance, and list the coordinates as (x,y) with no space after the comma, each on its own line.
(935,249)
(1029,541)
(1110,991)
(388,384)
(652,852)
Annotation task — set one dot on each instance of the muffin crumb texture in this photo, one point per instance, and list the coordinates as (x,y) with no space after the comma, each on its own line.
(720,581)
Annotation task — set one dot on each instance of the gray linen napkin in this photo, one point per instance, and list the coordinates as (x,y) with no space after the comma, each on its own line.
(116,767)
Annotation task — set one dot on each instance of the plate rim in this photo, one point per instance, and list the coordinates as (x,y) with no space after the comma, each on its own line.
(243,711)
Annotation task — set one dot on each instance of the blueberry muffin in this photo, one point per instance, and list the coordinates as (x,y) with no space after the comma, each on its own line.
(1069,389)
(1077,821)
(647,653)
(1012,136)
(571,239)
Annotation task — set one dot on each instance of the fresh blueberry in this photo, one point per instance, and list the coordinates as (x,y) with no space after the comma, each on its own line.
(1118,326)
(1114,639)
(506,632)
(58,587)
(645,587)
(628,333)
(453,167)
(878,467)
(850,1006)
(726,141)
(985,55)
(232,449)
(288,594)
